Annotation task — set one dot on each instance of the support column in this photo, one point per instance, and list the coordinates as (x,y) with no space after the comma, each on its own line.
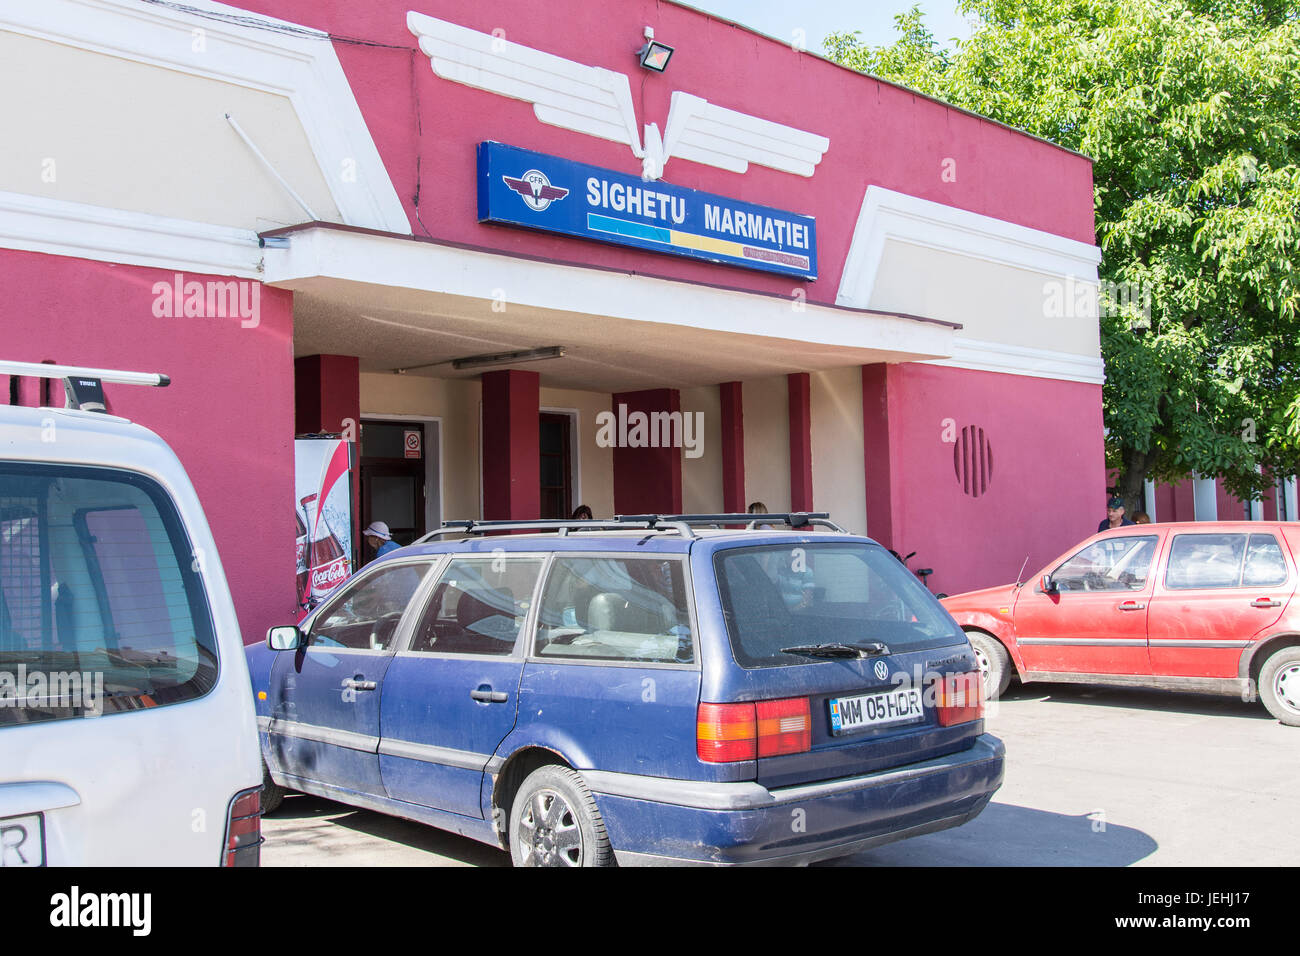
(512,478)
(733,448)
(877,452)
(801,486)
(327,395)
(647,479)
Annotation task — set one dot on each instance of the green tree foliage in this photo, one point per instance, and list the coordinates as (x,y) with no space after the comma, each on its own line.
(1189,109)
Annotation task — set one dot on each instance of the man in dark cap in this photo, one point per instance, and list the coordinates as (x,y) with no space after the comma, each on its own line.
(1114,515)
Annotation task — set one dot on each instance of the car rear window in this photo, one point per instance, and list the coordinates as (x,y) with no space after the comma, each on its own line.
(102,607)
(775,596)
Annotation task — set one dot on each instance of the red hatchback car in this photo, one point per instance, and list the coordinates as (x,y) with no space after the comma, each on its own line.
(1204,606)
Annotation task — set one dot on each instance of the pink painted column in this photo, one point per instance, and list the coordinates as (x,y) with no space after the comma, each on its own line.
(648,480)
(801,486)
(877,453)
(512,478)
(733,448)
(327,393)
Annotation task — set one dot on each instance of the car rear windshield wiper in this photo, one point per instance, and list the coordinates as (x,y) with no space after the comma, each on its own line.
(874,649)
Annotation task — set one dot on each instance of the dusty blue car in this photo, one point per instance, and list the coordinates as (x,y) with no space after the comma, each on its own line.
(643,690)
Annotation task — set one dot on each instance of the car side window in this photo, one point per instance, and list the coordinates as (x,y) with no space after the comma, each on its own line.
(1112,564)
(478,606)
(1265,566)
(366,615)
(1206,561)
(617,609)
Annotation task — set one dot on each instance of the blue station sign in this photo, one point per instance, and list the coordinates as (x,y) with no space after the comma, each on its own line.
(519,187)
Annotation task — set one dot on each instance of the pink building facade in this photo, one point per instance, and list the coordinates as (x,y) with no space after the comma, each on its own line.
(282,207)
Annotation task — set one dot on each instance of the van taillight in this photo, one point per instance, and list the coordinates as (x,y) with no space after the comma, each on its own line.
(768,728)
(244,829)
(959,698)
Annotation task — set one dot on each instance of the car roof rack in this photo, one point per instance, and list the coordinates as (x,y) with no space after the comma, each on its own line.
(84,387)
(473,526)
(682,524)
(794,519)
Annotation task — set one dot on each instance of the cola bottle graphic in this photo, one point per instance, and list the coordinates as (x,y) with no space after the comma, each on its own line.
(329,563)
(304,566)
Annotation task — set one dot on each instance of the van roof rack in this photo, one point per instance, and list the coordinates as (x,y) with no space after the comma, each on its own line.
(84,387)
(682,524)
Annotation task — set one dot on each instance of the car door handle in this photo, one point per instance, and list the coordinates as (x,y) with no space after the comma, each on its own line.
(1264,602)
(356,683)
(1131,605)
(489,696)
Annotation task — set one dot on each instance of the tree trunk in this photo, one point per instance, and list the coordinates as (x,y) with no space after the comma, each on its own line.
(1135,467)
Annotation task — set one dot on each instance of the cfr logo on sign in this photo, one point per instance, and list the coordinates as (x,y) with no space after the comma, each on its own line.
(536,189)
(881,669)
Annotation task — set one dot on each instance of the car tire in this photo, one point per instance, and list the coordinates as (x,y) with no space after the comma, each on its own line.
(554,821)
(272,793)
(1279,685)
(994,663)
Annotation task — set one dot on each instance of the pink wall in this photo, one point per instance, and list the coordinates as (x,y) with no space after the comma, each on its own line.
(879,134)
(230,422)
(1043,492)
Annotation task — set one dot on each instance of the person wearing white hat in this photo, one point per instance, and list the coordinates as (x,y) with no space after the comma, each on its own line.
(377,537)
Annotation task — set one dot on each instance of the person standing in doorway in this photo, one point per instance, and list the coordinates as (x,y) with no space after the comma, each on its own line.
(379,540)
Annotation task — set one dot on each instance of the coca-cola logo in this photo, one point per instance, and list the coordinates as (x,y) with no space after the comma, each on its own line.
(322,579)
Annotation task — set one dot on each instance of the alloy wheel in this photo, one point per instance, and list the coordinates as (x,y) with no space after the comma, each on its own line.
(549,834)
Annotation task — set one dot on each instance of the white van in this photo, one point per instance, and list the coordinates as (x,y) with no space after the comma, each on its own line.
(127,730)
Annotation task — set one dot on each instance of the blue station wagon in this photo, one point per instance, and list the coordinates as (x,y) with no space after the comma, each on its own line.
(645,690)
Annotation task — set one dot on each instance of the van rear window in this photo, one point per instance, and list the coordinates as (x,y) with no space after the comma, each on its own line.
(809,593)
(102,607)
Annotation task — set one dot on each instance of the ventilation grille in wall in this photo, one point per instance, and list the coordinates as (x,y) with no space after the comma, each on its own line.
(972,461)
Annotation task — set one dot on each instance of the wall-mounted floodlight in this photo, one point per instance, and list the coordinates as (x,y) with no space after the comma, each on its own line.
(654,55)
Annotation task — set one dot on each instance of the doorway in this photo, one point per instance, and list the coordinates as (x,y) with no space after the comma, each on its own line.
(393,473)
(555,443)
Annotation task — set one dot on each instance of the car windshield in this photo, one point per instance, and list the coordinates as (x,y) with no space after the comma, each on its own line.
(852,593)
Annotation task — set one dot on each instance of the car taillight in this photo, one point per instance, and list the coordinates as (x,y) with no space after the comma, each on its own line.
(244,829)
(784,726)
(729,732)
(959,698)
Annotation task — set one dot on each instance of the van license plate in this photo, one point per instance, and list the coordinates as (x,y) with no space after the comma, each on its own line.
(901,706)
(22,841)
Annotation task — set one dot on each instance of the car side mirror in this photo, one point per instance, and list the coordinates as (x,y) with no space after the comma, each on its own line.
(287,637)
(1047,584)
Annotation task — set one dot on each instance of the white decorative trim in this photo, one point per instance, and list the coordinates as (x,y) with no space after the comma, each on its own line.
(564,93)
(1149,499)
(889,215)
(1020,360)
(38,224)
(305,69)
(1289,497)
(405,263)
(598,102)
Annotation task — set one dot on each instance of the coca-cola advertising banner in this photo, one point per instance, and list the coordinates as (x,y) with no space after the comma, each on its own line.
(323,499)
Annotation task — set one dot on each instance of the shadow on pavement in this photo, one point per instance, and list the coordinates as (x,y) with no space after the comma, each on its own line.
(1133,698)
(281,830)
(1007,835)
